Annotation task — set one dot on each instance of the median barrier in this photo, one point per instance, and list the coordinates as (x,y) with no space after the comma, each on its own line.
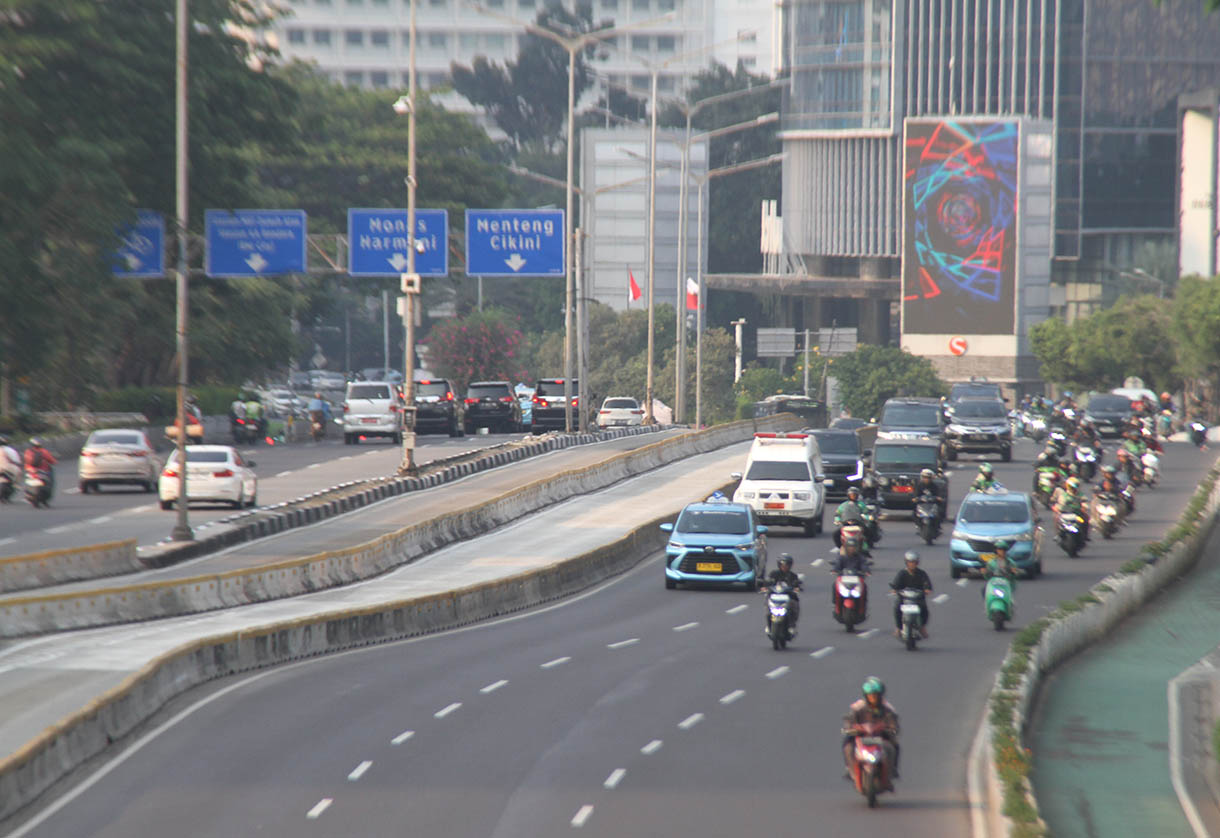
(152,600)
(1007,798)
(54,567)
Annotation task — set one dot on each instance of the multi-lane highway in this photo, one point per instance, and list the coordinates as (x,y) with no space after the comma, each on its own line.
(628,711)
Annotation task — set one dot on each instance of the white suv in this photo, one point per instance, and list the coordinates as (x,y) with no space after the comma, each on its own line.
(372,408)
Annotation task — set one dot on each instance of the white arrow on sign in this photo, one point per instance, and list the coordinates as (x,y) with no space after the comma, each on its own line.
(133,262)
(399,262)
(515,262)
(257,262)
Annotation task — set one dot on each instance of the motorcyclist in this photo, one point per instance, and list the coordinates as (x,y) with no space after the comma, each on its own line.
(851,560)
(850,511)
(1071,502)
(254,414)
(1048,458)
(319,411)
(1109,488)
(927,484)
(237,409)
(1086,435)
(38,458)
(985,481)
(1000,566)
(911,576)
(872,707)
(784,573)
(1134,443)
(10,463)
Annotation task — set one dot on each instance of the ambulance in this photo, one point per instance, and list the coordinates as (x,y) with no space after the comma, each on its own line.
(783,481)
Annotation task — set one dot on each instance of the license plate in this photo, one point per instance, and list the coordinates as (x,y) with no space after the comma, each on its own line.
(979,437)
(709,567)
(986,557)
(773,506)
(910,608)
(369,420)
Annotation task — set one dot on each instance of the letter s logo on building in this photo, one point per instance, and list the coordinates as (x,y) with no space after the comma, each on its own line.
(957,345)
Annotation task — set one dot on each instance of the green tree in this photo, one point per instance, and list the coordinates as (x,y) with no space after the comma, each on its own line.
(1196,323)
(1051,341)
(872,374)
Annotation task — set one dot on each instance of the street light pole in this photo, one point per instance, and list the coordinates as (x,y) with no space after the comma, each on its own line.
(652,223)
(411,282)
(182,529)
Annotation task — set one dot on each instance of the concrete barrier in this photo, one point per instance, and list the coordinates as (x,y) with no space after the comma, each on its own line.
(59,749)
(151,600)
(1117,596)
(54,567)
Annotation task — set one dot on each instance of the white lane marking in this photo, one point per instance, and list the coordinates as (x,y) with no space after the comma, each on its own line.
(581,816)
(402,737)
(491,688)
(346,457)
(823,652)
(616,777)
(284,474)
(865,635)
(939,599)
(56,530)
(690,721)
(652,747)
(817,562)
(440,714)
(801,576)
(737,609)
(321,807)
(359,770)
(102,520)
(685,627)
(778,672)
(731,697)
(148,507)
(314,465)
(8,540)
(961,583)
(556,662)
(630,642)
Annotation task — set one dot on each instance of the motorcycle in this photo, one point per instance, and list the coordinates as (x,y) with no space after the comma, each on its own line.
(317,425)
(1071,533)
(1106,513)
(1086,462)
(244,431)
(912,618)
(1198,434)
(856,526)
(851,600)
(927,517)
(779,629)
(1058,438)
(1152,469)
(1127,496)
(7,487)
(872,527)
(997,601)
(1164,423)
(1046,479)
(871,770)
(38,487)
(1033,425)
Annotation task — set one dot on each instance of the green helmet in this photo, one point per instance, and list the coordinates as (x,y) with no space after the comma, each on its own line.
(873,684)
(1002,545)
(985,469)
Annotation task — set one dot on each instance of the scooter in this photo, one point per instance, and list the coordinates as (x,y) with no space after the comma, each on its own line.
(927,517)
(912,619)
(871,770)
(1198,434)
(1071,533)
(38,487)
(779,627)
(1152,468)
(872,527)
(7,487)
(997,601)
(851,600)
(1059,439)
(317,425)
(1086,462)
(1045,481)
(1106,513)
(245,431)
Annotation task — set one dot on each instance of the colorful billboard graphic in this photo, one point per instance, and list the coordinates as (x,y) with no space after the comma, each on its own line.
(960,212)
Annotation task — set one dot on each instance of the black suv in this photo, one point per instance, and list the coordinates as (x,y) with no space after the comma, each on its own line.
(842,460)
(978,426)
(896,464)
(436,408)
(975,388)
(1109,413)
(492,405)
(549,402)
(912,418)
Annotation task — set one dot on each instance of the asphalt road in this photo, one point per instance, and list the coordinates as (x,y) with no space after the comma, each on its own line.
(285,472)
(628,711)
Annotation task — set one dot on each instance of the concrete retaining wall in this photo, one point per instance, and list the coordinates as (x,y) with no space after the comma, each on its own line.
(152,600)
(1120,595)
(54,567)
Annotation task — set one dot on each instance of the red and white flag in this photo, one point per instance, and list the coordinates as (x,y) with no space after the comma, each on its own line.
(692,295)
(633,290)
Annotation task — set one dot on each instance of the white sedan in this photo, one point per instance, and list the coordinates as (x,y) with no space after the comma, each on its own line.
(620,411)
(118,456)
(215,473)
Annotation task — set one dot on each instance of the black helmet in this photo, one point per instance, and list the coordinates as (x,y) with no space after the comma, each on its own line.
(785,559)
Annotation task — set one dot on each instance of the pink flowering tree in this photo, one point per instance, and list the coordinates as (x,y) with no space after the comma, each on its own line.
(481,346)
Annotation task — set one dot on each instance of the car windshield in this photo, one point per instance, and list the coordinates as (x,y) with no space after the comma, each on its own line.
(778,470)
(993,512)
(980,410)
(719,521)
(202,456)
(431,388)
(1110,403)
(966,391)
(114,438)
(838,443)
(553,388)
(911,415)
(487,391)
(907,457)
(621,404)
(369,391)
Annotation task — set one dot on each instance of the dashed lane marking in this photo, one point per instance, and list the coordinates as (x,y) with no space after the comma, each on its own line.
(581,816)
(284,474)
(442,713)
(940,599)
(817,562)
(731,697)
(321,807)
(622,643)
(359,770)
(616,777)
(690,721)
(686,627)
(823,652)
(778,672)
(652,747)
(555,663)
(737,609)
(402,737)
(491,688)
(865,635)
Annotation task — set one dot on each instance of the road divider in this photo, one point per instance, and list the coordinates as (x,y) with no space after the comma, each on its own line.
(55,567)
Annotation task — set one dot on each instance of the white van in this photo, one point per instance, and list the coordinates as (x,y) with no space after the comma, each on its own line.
(783,481)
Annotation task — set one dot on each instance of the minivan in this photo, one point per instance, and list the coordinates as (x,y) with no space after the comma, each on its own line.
(371,408)
(783,481)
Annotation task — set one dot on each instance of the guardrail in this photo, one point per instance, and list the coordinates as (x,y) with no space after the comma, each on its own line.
(54,567)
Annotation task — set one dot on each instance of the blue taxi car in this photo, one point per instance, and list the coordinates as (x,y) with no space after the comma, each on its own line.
(716,542)
(987,517)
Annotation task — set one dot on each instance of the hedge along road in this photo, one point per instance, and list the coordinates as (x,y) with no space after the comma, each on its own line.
(1101,727)
(524,728)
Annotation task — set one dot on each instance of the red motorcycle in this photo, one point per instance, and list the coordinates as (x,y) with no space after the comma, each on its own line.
(851,599)
(871,769)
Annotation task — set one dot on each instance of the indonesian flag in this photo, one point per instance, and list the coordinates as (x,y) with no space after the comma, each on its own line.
(692,295)
(633,290)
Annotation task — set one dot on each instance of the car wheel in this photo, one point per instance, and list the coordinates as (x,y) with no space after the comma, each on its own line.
(397,438)
(240,502)
(670,584)
(1037,571)
(167,504)
(811,527)
(455,429)
(1006,455)
(84,487)
(149,487)
(950,452)
(253,502)
(954,572)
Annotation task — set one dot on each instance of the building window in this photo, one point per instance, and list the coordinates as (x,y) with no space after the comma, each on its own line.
(747,36)
(665,83)
(433,80)
(666,5)
(379,38)
(639,82)
(639,43)
(296,36)
(382,4)
(665,43)
(379,78)
(749,61)
(321,37)
(436,4)
(495,41)
(353,78)
(610,5)
(640,5)
(468,41)
(436,40)
(354,37)
(526,4)
(355,2)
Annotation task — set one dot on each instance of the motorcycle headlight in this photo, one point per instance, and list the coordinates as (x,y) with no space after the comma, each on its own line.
(871,757)
(801,495)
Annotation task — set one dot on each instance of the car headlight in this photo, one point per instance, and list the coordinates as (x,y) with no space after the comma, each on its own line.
(801,495)
(1025,536)
(749,545)
(956,429)
(748,495)
(959,535)
(675,545)
(883,481)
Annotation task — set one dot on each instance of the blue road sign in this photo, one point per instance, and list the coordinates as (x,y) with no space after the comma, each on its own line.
(142,253)
(377,242)
(514,242)
(254,242)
